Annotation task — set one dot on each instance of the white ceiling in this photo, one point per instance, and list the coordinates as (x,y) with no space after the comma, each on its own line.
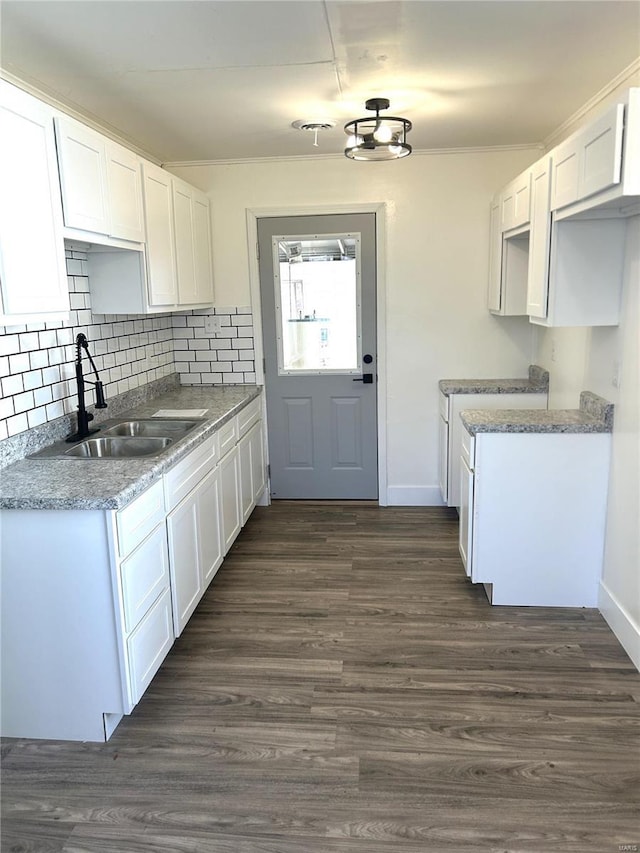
(200,80)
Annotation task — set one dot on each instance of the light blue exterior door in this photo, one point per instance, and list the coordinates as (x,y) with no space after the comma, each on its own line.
(318,293)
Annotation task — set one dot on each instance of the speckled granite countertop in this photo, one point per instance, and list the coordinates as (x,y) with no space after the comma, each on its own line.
(594,415)
(536,383)
(112,483)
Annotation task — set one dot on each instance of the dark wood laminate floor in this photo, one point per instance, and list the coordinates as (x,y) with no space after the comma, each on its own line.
(342,688)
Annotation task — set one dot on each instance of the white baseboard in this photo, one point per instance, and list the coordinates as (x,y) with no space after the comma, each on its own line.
(621,623)
(414,496)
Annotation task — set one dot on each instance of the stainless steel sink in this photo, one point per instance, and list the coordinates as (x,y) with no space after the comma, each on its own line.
(119,448)
(170,428)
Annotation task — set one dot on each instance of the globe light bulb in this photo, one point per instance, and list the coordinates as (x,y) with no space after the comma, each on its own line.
(382,133)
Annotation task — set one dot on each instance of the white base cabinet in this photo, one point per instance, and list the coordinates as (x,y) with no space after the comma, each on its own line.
(86,624)
(532,516)
(230,491)
(451,431)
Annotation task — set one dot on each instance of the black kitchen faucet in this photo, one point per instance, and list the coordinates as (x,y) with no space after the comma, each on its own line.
(84,417)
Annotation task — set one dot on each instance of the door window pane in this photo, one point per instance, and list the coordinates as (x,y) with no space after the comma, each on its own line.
(317,283)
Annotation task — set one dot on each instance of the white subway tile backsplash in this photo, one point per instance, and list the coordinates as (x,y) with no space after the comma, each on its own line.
(55,410)
(36,417)
(42,396)
(48,339)
(39,358)
(19,363)
(9,344)
(32,379)
(6,407)
(37,361)
(23,402)
(51,375)
(16,424)
(12,385)
(29,341)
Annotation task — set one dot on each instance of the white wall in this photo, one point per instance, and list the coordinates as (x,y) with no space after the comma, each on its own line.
(437,237)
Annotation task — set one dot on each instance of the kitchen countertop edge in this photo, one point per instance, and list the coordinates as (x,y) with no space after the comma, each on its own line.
(536,383)
(595,415)
(111,484)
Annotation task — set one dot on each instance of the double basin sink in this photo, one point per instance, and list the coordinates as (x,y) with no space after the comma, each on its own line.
(125,439)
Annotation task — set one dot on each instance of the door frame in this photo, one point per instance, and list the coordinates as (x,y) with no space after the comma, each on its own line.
(380,211)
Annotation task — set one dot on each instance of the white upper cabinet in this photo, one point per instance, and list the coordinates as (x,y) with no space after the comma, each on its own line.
(516,202)
(33,279)
(100,181)
(173,269)
(161,258)
(539,238)
(597,166)
(202,251)
(126,217)
(563,230)
(192,226)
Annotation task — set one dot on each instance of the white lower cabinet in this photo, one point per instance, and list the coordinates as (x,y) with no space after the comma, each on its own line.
(86,625)
(230,498)
(186,579)
(532,516)
(195,547)
(451,429)
(252,469)
(149,644)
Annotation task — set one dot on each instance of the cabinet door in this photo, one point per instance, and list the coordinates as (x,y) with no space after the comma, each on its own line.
(443,451)
(565,174)
(209,533)
(515,202)
(186,582)
(149,644)
(539,239)
(202,248)
(495,256)
(82,159)
(246,484)
(258,468)
(33,274)
(161,266)
(601,152)
(466,516)
(183,228)
(230,498)
(126,220)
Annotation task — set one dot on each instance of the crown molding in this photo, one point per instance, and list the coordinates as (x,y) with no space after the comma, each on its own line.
(306,158)
(625,76)
(54,101)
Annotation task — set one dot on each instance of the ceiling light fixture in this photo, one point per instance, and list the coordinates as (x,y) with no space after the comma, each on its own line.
(313,127)
(377,137)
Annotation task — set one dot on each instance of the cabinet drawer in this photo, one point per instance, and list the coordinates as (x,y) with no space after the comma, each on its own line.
(248,416)
(136,521)
(228,436)
(468,448)
(186,475)
(444,407)
(144,575)
(148,645)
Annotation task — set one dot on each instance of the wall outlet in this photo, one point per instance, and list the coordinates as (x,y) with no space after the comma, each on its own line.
(212,325)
